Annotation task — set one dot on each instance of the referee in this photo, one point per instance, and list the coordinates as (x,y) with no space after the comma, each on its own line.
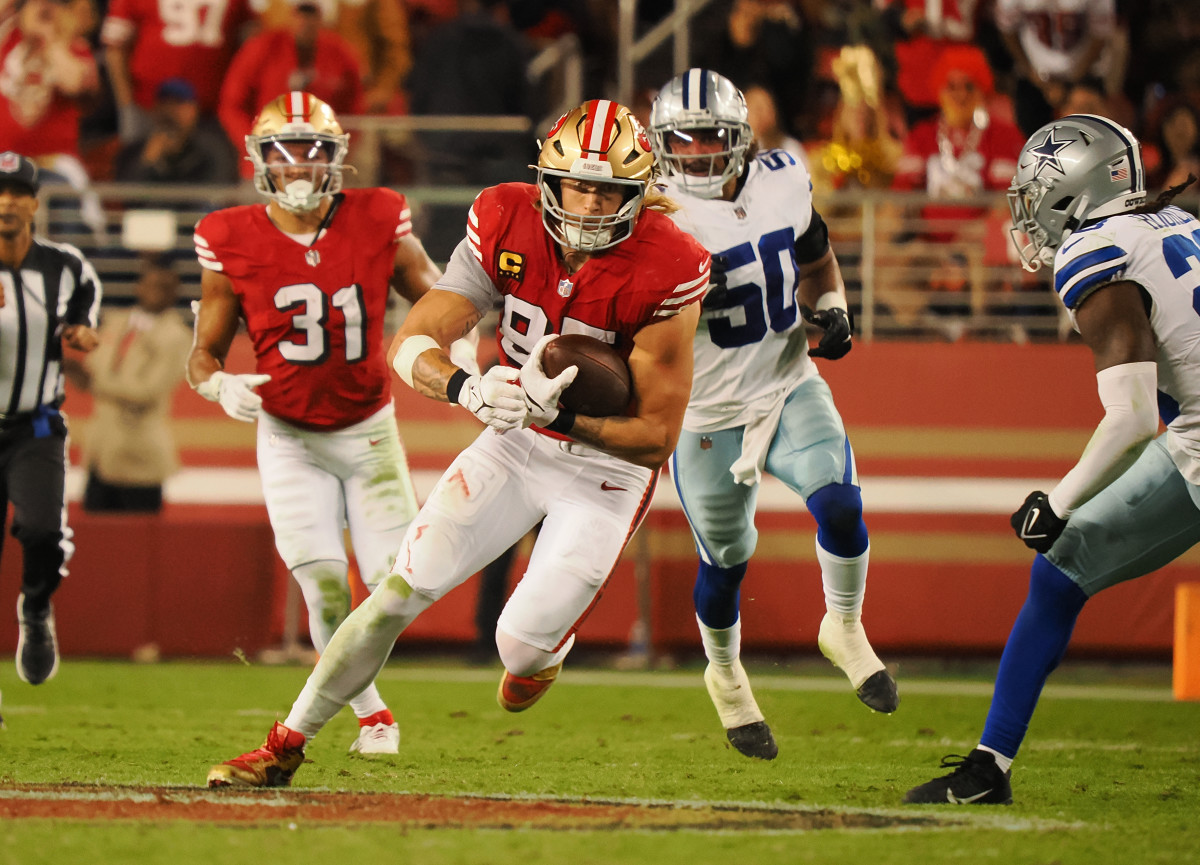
(49,294)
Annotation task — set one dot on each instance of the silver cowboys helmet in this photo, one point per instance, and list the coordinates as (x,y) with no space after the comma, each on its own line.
(1077,168)
(302,118)
(700,101)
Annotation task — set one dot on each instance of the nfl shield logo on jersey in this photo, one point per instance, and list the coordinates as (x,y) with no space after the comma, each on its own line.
(312,257)
(565,287)
(739,212)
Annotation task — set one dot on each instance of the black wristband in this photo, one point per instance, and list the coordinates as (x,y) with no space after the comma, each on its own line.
(564,423)
(454,386)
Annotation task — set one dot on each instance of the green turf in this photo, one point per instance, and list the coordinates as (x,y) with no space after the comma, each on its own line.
(1106,776)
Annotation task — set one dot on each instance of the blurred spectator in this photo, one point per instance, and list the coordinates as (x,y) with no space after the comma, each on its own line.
(765,42)
(46,72)
(921,30)
(474,64)
(181,147)
(763,116)
(46,68)
(306,55)
(962,153)
(1055,43)
(863,146)
(132,376)
(1175,151)
(147,42)
(378,32)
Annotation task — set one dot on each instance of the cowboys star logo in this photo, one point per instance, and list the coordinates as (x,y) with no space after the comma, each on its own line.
(1046,153)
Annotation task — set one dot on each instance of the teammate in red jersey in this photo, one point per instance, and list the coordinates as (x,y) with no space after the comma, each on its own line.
(586,250)
(309,274)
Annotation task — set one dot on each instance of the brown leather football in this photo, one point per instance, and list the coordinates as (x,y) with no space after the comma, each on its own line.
(602,386)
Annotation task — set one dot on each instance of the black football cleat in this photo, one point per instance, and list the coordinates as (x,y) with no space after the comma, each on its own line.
(976,780)
(879,692)
(754,740)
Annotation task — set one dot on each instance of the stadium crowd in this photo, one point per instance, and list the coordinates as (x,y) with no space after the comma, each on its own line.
(926,98)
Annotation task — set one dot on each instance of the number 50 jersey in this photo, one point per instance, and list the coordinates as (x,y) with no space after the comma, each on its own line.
(314,313)
(750,344)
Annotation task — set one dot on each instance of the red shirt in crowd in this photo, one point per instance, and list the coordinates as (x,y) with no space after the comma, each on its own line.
(268,65)
(190,39)
(35,117)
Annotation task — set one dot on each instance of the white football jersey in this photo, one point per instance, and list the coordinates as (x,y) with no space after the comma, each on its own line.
(752,347)
(1160,252)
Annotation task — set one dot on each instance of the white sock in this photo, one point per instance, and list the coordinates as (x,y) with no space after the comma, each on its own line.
(1005,763)
(722,646)
(844,580)
(356,654)
(326,589)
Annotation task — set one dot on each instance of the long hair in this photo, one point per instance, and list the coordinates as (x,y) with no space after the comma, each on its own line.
(1166,197)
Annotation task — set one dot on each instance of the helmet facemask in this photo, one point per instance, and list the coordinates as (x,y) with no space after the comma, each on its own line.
(588,233)
(700,105)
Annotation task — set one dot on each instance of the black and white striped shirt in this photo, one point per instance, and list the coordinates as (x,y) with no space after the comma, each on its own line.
(55,288)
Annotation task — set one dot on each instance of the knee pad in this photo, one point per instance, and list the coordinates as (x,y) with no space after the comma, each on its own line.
(716,594)
(837,508)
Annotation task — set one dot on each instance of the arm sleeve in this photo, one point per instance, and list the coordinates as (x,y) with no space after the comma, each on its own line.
(1128,392)
(465,275)
(812,244)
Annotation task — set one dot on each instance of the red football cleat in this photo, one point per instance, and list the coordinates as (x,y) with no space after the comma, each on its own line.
(272,765)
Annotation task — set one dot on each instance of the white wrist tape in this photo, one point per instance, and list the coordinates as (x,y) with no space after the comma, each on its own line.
(830,300)
(1129,394)
(410,350)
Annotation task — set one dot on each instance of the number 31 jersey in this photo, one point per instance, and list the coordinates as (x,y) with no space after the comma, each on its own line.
(1161,253)
(314,313)
(751,345)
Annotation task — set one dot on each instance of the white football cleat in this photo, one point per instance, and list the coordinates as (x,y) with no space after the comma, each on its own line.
(377,739)
(844,642)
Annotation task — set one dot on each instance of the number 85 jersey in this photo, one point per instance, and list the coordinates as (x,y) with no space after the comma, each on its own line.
(314,312)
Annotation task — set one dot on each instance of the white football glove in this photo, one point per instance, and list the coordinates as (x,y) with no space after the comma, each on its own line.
(495,398)
(235,393)
(542,393)
(464,353)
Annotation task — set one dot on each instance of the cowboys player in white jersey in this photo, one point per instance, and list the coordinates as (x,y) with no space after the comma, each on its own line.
(758,402)
(1129,275)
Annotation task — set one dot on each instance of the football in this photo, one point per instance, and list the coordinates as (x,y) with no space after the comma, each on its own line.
(602,387)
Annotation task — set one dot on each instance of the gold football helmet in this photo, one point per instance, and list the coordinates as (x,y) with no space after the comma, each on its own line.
(301,176)
(598,142)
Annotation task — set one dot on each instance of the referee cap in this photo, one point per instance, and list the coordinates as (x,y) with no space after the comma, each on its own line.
(15,168)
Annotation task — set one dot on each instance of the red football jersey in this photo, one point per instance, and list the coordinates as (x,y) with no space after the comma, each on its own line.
(192,39)
(314,313)
(653,274)
(36,119)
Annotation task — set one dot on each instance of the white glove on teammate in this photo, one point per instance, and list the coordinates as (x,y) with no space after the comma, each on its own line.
(235,393)
(495,398)
(542,393)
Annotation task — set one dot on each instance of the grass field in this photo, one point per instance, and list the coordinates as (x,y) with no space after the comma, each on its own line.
(1110,771)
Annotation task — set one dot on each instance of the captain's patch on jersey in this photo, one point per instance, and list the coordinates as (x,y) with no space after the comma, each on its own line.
(511,264)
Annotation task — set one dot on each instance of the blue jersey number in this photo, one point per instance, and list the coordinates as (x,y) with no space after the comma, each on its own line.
(778,254)
(1182,254)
